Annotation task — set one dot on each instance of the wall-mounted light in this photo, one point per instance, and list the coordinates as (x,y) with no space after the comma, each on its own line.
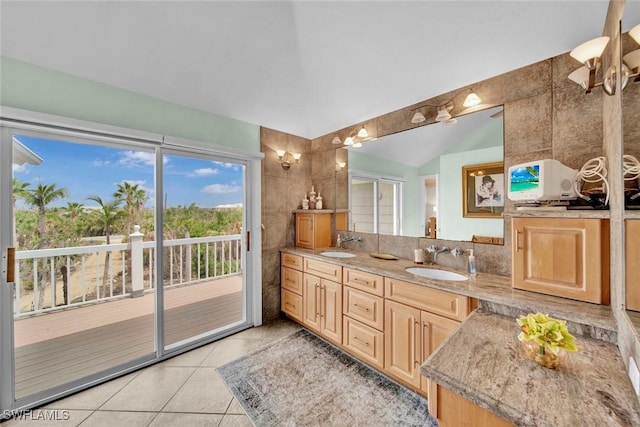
(286,164)
(336,140)
(444,115)
(631,61)
(471,100)
(589,53)
(418,117)
(341,165)
(362,133)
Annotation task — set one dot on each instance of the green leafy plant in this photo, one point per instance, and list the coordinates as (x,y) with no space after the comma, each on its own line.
(547,332)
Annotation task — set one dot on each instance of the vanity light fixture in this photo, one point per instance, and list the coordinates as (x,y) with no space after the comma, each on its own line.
(589,53)
(348,140)
(635,33)
(362,133)
(418,117)
(471,100)
(286,164)
(336,140)
(357,144)
(341,165)
(444,115)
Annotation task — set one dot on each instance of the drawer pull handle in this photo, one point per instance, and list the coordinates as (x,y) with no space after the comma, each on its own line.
(360,341)
(518,232)
(360,307)
(416,325)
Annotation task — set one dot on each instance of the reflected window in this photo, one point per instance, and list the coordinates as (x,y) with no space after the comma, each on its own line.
(375,204)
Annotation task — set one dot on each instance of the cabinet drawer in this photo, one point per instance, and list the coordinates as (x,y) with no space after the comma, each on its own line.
(363,307)
(364,281)
(292,261)
(364,342)
(323,269)
(435,301)
(291,280)
(292,304)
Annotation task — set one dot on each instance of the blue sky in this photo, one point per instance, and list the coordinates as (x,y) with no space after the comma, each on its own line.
(86,170)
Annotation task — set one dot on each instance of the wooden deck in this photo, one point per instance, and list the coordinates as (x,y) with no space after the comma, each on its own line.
(55,348)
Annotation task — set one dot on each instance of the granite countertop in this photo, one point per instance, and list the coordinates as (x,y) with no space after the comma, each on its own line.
(482,362)
(486,287)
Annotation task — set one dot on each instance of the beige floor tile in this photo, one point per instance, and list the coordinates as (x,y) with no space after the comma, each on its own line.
(151,390)
(235,408)
(49,417)
(171,419)
(94,397)
(122,418)
(236,421)
(227,350)
(204,392)
(271,331)
(191,358)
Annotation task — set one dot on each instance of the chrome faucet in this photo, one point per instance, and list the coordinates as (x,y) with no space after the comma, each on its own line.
(431,249)
(347,238)
(439,251)
(456,252)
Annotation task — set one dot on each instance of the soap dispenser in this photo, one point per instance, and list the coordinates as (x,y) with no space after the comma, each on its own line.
(472,263)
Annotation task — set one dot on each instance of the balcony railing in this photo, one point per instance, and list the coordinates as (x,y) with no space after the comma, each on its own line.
(54,279)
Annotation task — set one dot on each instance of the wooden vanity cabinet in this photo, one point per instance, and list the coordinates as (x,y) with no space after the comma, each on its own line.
(417,320)
(291,286)
(565,257)
(322,299)
(632,264)
(453,410)
(363,320)
(313,230)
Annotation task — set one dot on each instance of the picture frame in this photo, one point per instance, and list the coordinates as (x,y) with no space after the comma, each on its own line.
(483,190)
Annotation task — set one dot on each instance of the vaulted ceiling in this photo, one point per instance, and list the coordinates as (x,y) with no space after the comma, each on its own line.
(303,67)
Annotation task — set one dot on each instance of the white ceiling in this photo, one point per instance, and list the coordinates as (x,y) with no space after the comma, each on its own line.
(303,67)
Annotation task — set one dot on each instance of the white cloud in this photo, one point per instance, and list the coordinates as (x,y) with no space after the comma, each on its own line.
(227,165)
(137,158)
(99,163)
(220,189)
(19,168)
(204,172)
(232,205)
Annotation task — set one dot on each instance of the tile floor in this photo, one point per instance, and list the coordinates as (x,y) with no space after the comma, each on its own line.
(183,391)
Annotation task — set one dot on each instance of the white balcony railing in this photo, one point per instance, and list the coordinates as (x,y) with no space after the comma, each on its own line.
(54,279)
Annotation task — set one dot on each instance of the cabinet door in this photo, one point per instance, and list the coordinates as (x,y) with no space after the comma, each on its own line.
(402,345)
(331,310)
(304,231)
(434,330)
(565,257)
(632,264)
(311,302)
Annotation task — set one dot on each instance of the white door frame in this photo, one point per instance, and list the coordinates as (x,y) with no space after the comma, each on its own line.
(72,129)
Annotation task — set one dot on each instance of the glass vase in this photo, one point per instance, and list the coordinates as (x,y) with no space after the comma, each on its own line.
(542,354)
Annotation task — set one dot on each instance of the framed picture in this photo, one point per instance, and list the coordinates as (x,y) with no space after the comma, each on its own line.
(483,190)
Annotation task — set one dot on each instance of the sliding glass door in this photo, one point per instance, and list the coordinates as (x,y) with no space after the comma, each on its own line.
(204,246)
(116,253)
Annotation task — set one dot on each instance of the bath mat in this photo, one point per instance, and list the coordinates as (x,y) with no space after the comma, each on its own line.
(301,380)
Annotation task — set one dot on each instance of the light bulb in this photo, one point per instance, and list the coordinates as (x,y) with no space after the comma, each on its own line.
(471,100)
(362,133)
(281,153)
(418,117)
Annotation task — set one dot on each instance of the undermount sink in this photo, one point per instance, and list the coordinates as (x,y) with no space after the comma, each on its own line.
(336,254)
(432,273)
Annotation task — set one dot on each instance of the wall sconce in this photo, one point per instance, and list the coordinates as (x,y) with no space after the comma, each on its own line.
(336,140)
(341,165)
(286,164)
(631,61)
(471,100)
(418,117)
(362,133)
(589,53)
(444,116)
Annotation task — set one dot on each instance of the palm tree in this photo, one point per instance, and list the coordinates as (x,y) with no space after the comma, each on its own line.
(73,211)
(19,192)
(134,199)
(108,214)
(40,197)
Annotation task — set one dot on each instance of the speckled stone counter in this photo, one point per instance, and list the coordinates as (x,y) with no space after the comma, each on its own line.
(494,292)
(482,362)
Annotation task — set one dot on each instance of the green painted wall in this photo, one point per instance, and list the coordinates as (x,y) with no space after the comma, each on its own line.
(34,88)
(365,163)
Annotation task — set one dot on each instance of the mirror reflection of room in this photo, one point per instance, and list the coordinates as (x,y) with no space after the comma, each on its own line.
(422,168)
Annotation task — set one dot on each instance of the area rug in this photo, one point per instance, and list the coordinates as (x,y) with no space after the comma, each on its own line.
(301,380)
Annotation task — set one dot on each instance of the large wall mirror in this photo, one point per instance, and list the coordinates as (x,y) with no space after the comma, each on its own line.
(411,183)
